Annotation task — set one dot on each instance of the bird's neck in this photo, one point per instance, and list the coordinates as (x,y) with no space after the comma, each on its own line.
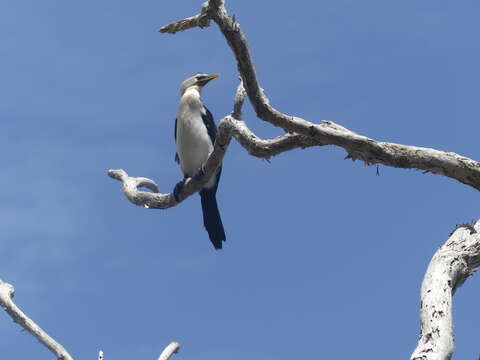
(193,91)
(191,100)
(191,96)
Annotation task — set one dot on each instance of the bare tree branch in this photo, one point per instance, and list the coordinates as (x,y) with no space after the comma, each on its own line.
(131,185)
(451,265)
(171,349)
(238,103)
(6,295)
(358,147)
(449,268)
(430,160)
(201,20)
(228,127)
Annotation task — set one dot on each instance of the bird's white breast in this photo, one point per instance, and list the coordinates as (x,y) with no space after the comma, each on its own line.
(193,143)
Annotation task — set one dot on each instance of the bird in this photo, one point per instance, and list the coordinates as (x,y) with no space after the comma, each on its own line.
(195,133)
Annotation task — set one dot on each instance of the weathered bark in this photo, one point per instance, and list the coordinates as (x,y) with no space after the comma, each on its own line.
(358,147)
(300,133)
(453,262)
(6,295)
(451,265)
(449,268)
(171,349)
(6,302)
(229,126)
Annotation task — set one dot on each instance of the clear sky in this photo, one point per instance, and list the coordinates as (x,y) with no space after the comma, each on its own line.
(324,259)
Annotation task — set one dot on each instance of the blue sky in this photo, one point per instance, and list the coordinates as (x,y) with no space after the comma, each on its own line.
(322,257)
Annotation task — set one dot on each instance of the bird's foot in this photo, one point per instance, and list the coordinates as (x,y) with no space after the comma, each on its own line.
(200,173)
(178,189)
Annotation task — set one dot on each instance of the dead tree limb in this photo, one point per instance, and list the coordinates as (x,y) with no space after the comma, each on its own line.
(18,316)
(229,126)
(6,295)
(423,158)
(449,268)
(358,147)
(451,265)
(171,349)
(454,261)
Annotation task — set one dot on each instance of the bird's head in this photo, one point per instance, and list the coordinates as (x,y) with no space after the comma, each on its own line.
(198,80)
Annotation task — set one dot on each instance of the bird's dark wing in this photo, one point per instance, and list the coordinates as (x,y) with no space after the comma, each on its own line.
(177,160)
(209,124)
(212,133)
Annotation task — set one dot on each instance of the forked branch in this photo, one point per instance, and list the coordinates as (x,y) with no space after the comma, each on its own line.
(229,126)
(6,302)
(454,261)
(358,147)
(449,268)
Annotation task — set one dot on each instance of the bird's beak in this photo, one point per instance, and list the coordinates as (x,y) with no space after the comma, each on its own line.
(206,79)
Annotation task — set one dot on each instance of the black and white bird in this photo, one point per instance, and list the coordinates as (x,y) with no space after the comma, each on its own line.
(195,133)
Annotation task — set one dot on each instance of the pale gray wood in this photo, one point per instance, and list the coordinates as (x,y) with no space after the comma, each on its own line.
(6,295)
(200,20)
(171,349)
(358,147)
(451,265)
(228,127)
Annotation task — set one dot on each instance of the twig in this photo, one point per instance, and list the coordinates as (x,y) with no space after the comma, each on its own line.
(238,103)
(171,349)
(201,20)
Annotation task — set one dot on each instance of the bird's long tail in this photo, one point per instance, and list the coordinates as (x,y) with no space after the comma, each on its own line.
(211,217)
